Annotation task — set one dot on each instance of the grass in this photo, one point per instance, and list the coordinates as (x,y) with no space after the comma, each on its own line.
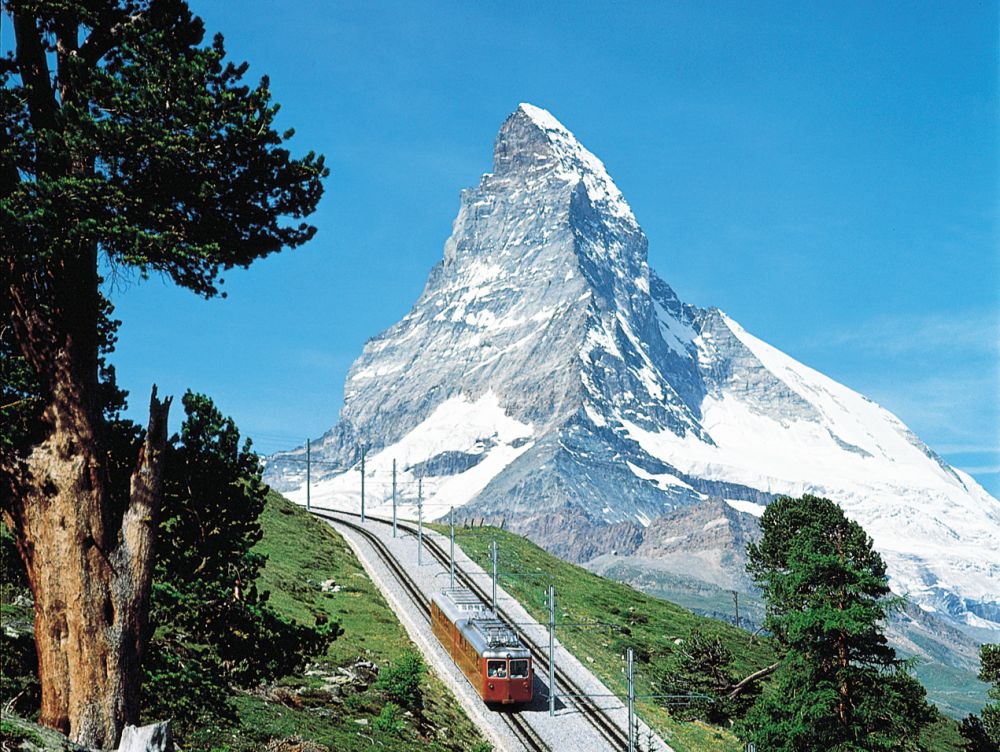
(650,625)
(302,553)
(18,733)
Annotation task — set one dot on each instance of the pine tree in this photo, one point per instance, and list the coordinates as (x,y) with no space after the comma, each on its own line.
(839,685)
(124,138)
(703,669)
(214,630)
(982,732)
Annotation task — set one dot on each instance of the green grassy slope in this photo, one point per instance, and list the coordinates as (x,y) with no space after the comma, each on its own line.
(303,552)
(647,623)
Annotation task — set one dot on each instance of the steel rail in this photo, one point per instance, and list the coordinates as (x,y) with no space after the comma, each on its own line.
(520,728)
(594,714)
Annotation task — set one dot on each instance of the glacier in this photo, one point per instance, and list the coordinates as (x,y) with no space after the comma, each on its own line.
(549,380)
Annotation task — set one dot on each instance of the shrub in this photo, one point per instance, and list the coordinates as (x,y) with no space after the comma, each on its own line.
(400,682)
(389,720)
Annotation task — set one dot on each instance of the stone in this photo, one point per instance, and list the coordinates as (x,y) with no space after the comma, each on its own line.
(156,737)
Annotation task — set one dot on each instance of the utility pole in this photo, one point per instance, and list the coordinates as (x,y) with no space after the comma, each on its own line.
(394,498)
(451,519)
(493,548)
(736,601)
(631,701)
(364,450)
(308,474)
(552,650)
(420,521)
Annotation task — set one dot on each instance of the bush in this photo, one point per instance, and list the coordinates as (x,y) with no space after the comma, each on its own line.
(400,682)
(389,720)
(20,691)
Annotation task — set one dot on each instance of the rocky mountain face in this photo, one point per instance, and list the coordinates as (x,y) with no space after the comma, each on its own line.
(706,541)
(546,377)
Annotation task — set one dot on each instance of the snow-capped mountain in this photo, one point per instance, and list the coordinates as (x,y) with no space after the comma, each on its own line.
(547,377)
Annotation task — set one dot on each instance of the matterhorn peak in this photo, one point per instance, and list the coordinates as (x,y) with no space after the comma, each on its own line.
(543,118)
(547,378)
(532,142)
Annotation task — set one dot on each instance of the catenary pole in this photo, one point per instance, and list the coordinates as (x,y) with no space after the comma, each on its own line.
(420,521)
(308,474)
(394,498)
(364,450)
(451,519)
(552,651)
(631,702)
(494,550)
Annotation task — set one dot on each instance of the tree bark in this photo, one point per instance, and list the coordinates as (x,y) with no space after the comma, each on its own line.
(88,552)
(90,578)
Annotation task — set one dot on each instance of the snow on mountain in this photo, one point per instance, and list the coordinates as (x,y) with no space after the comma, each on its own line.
(546,376)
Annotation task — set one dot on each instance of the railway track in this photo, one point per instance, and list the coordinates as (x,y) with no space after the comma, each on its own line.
(595,715)
(521,729)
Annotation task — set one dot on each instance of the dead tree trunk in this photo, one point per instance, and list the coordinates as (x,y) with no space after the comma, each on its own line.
(88,552)
(748,681)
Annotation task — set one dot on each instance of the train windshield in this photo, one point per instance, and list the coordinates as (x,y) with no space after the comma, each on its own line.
(519,669)
(496,669)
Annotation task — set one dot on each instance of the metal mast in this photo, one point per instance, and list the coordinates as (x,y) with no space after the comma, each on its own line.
(493,549)
(552,650)
(420,521)
(451,519)
(364,450)
(394,498)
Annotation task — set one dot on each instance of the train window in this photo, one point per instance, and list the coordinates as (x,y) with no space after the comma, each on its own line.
(496,669)
(519,669)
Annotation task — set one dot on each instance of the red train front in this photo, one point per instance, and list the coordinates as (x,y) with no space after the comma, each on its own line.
(487,650)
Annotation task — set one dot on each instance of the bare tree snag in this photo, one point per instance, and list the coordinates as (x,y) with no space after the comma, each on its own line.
(747,682)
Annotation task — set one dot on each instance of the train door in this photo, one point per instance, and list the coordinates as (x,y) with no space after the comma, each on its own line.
(519,686)
(496,681)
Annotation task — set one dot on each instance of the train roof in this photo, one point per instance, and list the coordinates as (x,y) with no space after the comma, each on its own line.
(459,603)
(491,637)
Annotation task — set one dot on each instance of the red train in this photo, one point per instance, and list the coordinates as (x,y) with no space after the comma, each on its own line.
(487,650)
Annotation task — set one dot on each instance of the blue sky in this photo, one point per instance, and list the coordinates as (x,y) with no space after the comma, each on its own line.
(825,173)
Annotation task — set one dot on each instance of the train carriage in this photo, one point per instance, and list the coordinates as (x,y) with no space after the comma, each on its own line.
(486,650)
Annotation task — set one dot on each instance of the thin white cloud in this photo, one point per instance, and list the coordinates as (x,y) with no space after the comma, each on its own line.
(976,331)
(981,469)
(954,416)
